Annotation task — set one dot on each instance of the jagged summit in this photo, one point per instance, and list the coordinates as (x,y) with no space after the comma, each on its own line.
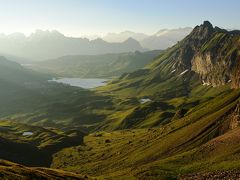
(209,54)
(207,24)
(131,40)
(203,31)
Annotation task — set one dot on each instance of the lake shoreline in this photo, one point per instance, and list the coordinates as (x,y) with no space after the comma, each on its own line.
(86,83)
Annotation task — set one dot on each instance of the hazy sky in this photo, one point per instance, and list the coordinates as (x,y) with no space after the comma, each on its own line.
(87,17)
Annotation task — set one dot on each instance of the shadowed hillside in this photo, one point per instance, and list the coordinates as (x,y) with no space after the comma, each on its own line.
(32,145)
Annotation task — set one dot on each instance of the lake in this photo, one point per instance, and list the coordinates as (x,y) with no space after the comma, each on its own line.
(86,83)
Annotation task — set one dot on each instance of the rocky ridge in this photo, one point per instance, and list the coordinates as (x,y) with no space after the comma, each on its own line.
(212,53)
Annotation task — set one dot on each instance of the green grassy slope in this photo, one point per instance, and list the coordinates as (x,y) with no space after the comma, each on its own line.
(35,149)
(180,77)
(27,96)
(193,118)
(130,113)
(187,126)
(207,54)
(175,148)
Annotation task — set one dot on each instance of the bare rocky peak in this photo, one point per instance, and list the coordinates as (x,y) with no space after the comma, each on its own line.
(203,31)
(211,52)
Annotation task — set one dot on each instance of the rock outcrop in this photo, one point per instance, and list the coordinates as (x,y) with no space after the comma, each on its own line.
(231,120)
(235,117)
(208,56)
(213,53)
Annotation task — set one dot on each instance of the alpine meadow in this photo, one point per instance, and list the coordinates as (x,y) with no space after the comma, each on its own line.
(118,90)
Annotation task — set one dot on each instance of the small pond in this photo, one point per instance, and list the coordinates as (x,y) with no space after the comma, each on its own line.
(27,133)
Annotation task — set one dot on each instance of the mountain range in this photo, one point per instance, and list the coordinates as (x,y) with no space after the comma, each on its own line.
(163,39)
(211,54)
(43,45)
(175,118)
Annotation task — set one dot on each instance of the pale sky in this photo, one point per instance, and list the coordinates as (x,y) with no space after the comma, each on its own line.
(98,17)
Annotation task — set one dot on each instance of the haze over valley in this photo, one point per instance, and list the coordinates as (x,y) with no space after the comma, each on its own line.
(42,45)
(93,100)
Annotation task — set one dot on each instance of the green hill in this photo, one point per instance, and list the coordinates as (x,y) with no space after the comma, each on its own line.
(28,97)
(33,145)
(202,140)
(96,66)
(193,107)
(200,67)
(208,56)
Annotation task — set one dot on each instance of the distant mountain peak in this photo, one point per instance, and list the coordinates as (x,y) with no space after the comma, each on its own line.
(46,33)
(52,44)
(99,40)
(131,40)
(123,36)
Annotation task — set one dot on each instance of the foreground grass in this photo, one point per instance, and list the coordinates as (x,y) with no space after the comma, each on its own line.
(35,149)
(13,171)
(178,147)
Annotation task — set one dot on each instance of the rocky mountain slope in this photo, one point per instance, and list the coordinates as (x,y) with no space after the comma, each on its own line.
(208,55)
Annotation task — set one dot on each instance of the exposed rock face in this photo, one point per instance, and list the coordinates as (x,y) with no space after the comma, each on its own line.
(208,54)
(213,53)
(235,75)
(201,33)
(218,68)
(212,70)
(235,117)
(191,44)
(231,120)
